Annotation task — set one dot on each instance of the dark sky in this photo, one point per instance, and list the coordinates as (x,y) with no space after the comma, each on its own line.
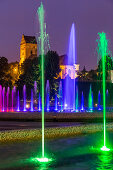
(90,17)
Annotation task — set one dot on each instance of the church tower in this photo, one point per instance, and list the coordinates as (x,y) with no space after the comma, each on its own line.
(28,47)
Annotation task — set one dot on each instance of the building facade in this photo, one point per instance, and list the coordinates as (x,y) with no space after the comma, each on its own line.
(28,47)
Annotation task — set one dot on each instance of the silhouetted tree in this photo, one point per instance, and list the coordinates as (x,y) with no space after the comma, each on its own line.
(108,67)
(52,70)
(5,77)
(30,72)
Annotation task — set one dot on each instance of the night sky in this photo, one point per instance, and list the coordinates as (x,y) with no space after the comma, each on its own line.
(19,17)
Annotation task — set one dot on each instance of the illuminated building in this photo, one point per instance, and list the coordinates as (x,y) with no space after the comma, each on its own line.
(28,47)
(67,70)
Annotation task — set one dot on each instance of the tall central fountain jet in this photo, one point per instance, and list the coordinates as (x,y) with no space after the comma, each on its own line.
(69,95)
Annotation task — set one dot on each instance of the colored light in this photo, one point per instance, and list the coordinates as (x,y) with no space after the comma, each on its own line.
(104,148)
(42,160)
(24,95)
(60,97)
(90,100)
(103,52)
(65,105)
(31,100)
(56,104)
(47,95)
(76,100)
(82,102)
(27,106)
(43,43)
(69,82)
(18,102)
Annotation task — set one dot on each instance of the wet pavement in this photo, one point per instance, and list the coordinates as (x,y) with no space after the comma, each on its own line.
(17,125)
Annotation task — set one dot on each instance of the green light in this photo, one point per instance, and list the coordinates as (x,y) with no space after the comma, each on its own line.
(90,100)
(103,52)
(104,148)
(42,160)
(41,21)
(43,47)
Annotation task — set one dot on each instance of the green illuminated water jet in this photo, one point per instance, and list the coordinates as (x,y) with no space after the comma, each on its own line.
(42,39)
(90,100)
(103,52)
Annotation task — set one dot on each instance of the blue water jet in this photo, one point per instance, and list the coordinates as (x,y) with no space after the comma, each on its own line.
(56,104)
(60,97)
(39,103)
(18,102)
(69,92)
(99,101)
(24,98)
(47,95)
(31,100)
(82,102)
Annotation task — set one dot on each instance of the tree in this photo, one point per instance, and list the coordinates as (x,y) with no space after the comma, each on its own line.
(52,70)
(108,67)
(30,70)
(5,77)
(92,74)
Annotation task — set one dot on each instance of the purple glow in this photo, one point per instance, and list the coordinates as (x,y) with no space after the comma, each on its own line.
(56,104)
(39,103)
(7,99)
(60,97)
(31,100)
(47,95)
(18,102)
(0,98)
(12,99)
(82,102)
(24,98)
(3,94)
(99,101)
(69,95)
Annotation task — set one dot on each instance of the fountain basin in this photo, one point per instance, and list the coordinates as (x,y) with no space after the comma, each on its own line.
(67,153)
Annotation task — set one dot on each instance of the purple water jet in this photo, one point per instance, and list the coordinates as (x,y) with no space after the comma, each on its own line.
(31,100)
(18,102)
(7,99)
(56,104)
(3,94)
(24,98)
(82,102)
(0,98)
(69,92)
(12,99)
(39,103)
(47,95)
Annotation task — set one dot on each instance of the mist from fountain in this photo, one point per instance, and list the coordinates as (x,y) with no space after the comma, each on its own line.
(8,99)
(18,102)
(12,99)
(0,98)
(69,92)
(76,100)
(24,97)
(31,101)
(82,102)
(47,96)
(90,100)
(3,95)
(60,97)
(56,103)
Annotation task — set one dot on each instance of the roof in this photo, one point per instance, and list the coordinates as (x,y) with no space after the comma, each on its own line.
(30,39)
